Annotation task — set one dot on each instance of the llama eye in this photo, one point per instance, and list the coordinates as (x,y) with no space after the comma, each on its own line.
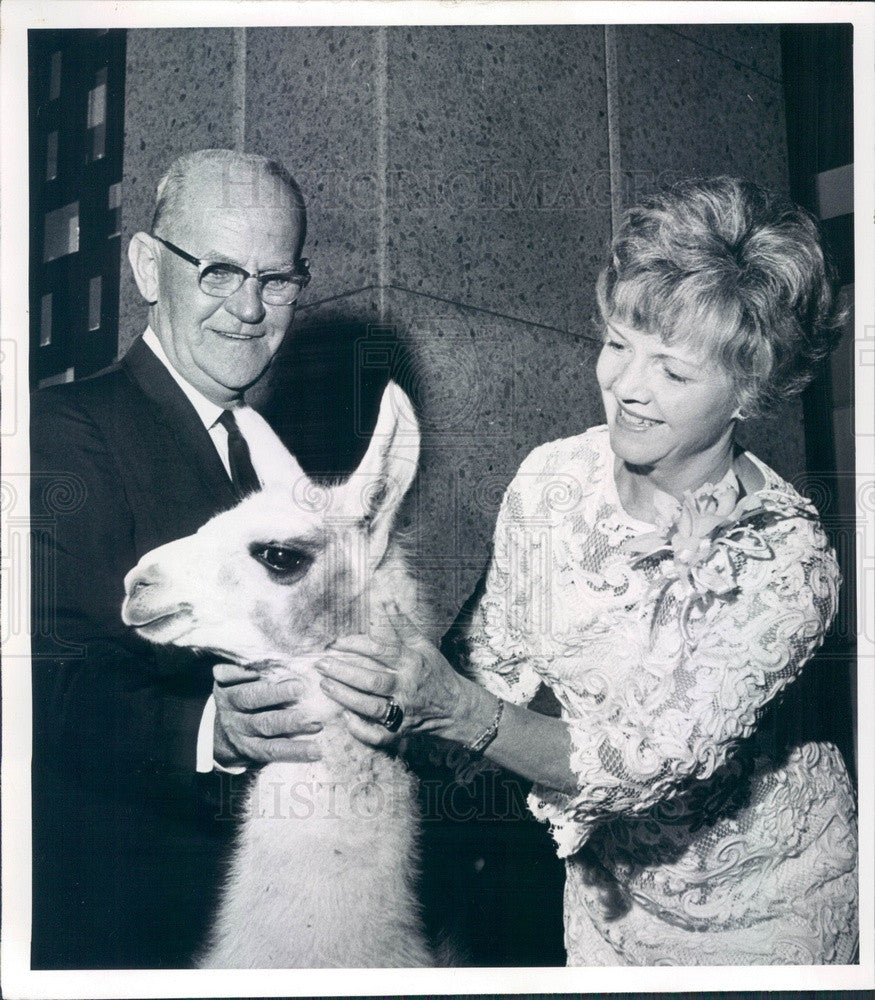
(283,561)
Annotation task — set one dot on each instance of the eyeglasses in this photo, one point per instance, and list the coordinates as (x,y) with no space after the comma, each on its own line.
(220,279)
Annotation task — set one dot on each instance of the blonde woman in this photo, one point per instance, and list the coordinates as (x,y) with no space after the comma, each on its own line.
(667,586)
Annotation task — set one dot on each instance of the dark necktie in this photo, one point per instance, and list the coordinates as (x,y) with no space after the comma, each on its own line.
(242,472)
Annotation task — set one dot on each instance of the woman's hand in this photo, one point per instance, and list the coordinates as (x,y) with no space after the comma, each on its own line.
(363,674)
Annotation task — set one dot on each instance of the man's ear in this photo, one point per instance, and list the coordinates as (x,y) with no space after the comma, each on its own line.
(143,255)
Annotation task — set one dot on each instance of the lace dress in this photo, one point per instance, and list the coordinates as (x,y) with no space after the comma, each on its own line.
(696,835)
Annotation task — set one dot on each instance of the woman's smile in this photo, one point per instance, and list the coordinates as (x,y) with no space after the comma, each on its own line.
(633,422)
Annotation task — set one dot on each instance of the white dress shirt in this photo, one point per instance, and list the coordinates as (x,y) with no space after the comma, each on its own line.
(208,411)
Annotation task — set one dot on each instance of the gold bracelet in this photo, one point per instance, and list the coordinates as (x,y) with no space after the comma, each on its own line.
(489,734)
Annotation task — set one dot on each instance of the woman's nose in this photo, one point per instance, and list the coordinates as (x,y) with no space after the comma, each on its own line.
(631,382)
(246,302)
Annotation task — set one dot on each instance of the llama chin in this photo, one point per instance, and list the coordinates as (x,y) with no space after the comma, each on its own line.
(324,865)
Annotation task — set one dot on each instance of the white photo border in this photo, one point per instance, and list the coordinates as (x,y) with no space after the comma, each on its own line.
(19,15)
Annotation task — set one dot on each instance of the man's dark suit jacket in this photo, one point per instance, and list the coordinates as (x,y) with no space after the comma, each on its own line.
(128,839)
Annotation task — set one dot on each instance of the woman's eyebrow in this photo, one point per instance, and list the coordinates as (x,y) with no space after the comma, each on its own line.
(689,362)
(695,363)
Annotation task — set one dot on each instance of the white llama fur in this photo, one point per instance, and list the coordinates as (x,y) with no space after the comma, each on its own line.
(322,871)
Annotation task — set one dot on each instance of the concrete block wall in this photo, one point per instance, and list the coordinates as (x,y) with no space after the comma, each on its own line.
(462,186)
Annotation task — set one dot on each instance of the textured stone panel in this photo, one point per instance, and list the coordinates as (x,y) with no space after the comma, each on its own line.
(311,102)
(316,391)
(178,97)
(488,390)
(498,192)
(683,112)
(496,142)
(756,46)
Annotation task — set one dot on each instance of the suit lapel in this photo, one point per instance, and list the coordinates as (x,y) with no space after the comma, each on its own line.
(172,408)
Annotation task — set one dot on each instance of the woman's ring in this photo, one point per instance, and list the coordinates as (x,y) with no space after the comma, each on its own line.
(394,716)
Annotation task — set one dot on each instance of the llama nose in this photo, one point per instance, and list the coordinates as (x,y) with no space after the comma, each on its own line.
(141,577)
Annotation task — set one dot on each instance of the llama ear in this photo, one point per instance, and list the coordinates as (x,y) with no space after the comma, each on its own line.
(274,463)
(373,493)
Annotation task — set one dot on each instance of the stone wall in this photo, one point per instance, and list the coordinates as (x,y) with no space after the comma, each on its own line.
(462,185)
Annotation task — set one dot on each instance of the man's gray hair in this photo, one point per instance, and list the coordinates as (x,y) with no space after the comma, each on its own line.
(254,179)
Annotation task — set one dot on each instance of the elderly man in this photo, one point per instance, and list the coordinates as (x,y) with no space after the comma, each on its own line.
(134,747)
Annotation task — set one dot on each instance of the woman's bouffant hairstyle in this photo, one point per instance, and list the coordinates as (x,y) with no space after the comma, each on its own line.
(724,264)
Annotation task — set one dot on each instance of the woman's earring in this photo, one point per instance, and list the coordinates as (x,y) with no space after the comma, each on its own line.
(739,414)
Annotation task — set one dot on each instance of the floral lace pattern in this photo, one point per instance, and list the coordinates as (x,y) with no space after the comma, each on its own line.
(693,837)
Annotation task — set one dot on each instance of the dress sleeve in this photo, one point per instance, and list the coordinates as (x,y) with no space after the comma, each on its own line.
(690,700)
(499,650)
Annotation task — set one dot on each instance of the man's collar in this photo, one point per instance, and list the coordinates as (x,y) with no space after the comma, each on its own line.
(206,409)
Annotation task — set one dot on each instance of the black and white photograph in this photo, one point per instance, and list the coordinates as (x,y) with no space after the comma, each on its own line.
(438,498)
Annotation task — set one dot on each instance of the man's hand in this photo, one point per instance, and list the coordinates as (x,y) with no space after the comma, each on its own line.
(258,720)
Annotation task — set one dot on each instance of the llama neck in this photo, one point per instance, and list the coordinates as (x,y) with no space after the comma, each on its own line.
(393,582)
(351,782)
(322,874)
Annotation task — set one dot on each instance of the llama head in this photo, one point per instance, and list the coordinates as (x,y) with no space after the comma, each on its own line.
(290,568)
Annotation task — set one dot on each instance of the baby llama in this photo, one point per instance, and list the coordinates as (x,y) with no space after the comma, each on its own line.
(323,867)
